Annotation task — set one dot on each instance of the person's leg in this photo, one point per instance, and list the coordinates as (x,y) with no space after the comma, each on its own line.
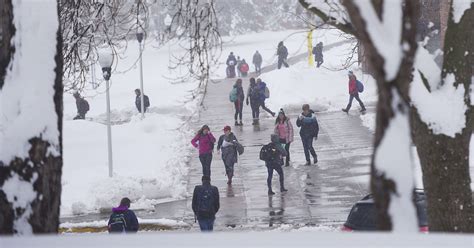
(306,148)
(267,109)
(206,164)
(211,224)
(241,107)
(287,148)
(285,63)
(280,61)
(279,170)
(205,224)
(269,178)
(360,101)
(311,149)
(236,114)
(253,106)
(349,105)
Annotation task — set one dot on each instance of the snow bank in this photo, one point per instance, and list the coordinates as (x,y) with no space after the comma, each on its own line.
(459,7)
(103,223)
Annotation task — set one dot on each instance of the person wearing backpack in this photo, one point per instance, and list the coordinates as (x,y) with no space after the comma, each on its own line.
(231,62)
(82,107)
(309,130)
(253,94)
(204,141)
(122,219)
(206,204)
(237,96)
(264,94)
(355,87)
(318,54)
(284,130)
(227,145)
(282,53)
(243,68)
(273,154)
(239,63)
(257,61)
(138,101)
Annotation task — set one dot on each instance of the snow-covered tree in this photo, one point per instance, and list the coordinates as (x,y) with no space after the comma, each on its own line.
(30,117)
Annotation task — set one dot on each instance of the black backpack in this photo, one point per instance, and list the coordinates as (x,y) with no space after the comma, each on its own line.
(118,224)
(205,207)
(269,153)
(86,105)
(146,102)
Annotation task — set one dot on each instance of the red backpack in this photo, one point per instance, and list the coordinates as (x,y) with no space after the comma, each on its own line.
(244,68)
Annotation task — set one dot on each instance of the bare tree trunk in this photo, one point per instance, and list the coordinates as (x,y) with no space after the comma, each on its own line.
(42,168)
(445,159)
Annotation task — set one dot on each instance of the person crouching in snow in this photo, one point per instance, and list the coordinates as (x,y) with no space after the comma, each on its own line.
(204,141)
(122,219)
(353,93)
(227,144)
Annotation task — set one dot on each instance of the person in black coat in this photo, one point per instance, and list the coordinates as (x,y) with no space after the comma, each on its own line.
(206,204)
(231,64)
(276,163)
(282,53)
(122,219)
(309,131)
(82,107)
(257,61)
(138,101)
(318,54)
(239,103)
(227,145)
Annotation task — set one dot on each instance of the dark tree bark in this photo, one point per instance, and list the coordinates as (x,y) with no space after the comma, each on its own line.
(381,186)
(7,30)
(40,164)
(444,159)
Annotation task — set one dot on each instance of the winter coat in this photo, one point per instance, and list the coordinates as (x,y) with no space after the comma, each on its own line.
(240,93)
(253,94)
(205,143)
(231,58)
(353,87)
(318,52)
(282,52)
(131,221)
(198,196)
(229,153)
(289,130)
(309,124)
(261,89)
(281,152)
(82,106)
(257,59)
(138,102)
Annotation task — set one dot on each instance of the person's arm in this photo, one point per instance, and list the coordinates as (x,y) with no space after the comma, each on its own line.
(299,123)
(217,203)
(194,204)
(194,141)
(219,143)
(132,225)
(213,139)
(291,131)
(316,127)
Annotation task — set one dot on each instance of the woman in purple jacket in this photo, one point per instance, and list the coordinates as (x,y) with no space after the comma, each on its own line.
(204,141)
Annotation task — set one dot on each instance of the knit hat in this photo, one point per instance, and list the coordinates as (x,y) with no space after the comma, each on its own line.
(227,128)
(350,73)
(281,111)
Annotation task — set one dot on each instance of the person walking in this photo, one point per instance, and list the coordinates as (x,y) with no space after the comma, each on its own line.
(243,68)
(206,204)
(257,61)
(282,53)
(353,93)
(309,131)
(122,219)
(239,63)
(253,94)
(273,154)
(237,96)
(264,94)
(318,54)
(231,63)
(138,101)
(204,141)
(82,106)
(227,145)
(284,130)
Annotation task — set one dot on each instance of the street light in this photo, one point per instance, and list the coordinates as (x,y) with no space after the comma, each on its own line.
(106,59)
(140,37)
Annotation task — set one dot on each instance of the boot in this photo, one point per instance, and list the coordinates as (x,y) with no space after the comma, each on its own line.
(282,190)
(363,109)
(273,114)
(241,124)
(315,160)
(270,192)
(345,110)
(308,163)
(236,123)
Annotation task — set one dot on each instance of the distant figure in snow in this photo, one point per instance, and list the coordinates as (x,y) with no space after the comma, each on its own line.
(253,94)
(282,53)
(354,92)
(243,68)
(257,61)
(206,204)
(239,63)
(318,54)
(204,141)
(231,63)
(82,106)
(138,101)
(237,97)
(122,219)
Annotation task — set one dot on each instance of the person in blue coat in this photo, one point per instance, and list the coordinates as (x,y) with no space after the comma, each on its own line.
(122,219)
(309,130)
(261,88)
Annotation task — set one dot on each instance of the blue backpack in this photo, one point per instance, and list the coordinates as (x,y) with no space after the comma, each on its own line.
(204,207)
(360,86)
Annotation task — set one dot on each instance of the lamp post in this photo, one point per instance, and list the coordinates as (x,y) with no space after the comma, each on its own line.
(140,37)
(106,59)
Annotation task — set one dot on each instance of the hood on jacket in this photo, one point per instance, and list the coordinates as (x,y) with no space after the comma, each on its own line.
(120,209)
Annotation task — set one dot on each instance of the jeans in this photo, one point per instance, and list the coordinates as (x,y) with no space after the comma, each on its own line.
(206,224)
(239,105)
(279,170)
(206,160)
(356,96)
(262,103)
(258,68)
(287,148)
(282,61)
(308,147)
(319,62)
(255,109)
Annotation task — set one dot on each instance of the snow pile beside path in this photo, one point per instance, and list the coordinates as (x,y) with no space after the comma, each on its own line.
(103,223)
(323,88)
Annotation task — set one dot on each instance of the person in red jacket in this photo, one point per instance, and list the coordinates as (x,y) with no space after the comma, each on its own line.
(353,93)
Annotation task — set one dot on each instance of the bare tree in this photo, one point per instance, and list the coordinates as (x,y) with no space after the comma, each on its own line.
(31,143)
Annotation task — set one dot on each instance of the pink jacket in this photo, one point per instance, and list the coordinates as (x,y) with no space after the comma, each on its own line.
(289,130)
(205,143)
